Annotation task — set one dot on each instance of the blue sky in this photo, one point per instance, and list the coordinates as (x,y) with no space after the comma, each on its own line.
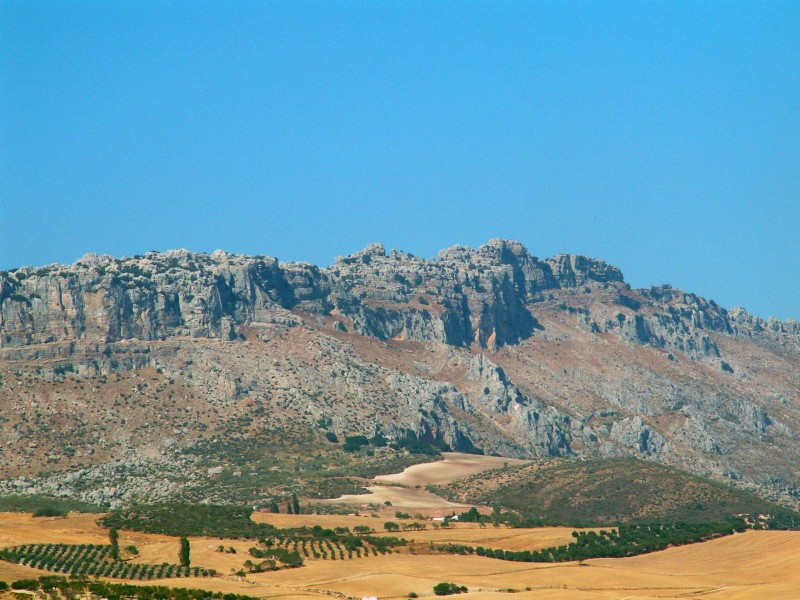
(663,137)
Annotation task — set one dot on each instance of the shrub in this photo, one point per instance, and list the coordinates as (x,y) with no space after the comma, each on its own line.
(184,552)
(448,589)
(50,511)
(354,443)
(25,584)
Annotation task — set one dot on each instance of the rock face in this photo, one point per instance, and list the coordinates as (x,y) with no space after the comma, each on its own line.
(465,296)
(488,348)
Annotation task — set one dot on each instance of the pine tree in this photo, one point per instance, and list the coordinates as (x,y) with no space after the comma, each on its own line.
(295,504)
(113,537)
(184,554)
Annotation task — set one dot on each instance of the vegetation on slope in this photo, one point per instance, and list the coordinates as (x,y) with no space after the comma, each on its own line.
(277,464)
(234,522)
(291,545)
(95,560)
(627,540)
(45,506)
(606,492)
(58,587)
(189,519)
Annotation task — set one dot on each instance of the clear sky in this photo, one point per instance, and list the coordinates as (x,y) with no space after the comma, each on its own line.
(663,137)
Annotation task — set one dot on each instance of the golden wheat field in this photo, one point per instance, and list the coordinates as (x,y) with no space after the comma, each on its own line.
(757,564)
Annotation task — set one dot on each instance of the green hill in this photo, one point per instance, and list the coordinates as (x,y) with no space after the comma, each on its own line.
(604,492)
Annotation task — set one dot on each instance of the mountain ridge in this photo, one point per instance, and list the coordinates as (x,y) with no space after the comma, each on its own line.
(521,276)
(489,348)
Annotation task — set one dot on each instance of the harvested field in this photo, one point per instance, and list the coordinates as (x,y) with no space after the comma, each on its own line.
(759,564)
(490,537)
(405,491)
(456,465)
(402,498)
(329,521)
(22,528)
(203,553)
(756,564)
(458,533)
(11,572)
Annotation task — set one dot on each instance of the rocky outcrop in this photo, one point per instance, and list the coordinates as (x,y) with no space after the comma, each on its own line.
(531,421)
(466,296)
(485,297)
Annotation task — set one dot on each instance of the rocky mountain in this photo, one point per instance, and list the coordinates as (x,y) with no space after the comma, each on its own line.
(113,364)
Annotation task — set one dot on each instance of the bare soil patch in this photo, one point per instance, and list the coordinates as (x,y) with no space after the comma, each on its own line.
(403,498)
(405,491)
(456,465)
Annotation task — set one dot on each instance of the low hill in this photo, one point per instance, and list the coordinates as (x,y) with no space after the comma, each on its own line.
(604,492)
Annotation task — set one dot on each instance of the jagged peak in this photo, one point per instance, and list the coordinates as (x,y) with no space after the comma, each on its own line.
(580,267)
(91,259)
(456,252)
(371,250)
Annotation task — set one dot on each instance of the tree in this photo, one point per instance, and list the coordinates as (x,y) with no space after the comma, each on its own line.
(391,526)
(471,516)
(295,504)
(113,538)
(447,589)
(184,553)
(274,507)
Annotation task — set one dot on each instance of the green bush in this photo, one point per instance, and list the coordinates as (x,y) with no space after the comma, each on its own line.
(354,443)
(50,511)
(32,504)
(448,589)
(26,584)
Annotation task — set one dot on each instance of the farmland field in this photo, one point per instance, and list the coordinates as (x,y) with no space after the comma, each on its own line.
(406,490)
(762,564)
(755,564)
